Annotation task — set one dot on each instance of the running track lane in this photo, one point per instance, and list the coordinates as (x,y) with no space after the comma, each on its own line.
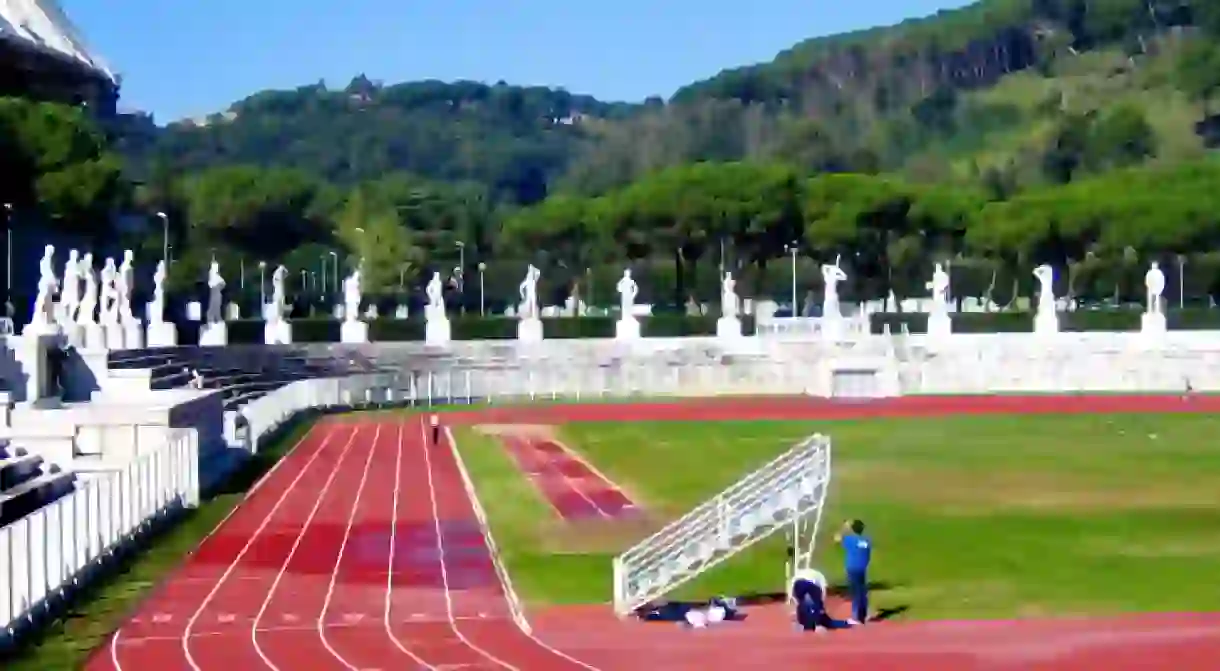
(573,488)
(155,637)
(233,608)
(469,574)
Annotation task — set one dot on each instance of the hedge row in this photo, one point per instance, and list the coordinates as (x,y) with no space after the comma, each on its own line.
(1188,319)
(246,331)
(662,326)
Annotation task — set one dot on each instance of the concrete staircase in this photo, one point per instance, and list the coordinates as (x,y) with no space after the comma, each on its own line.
(28,482)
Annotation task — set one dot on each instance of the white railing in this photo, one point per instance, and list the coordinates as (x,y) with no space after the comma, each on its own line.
(264,415)
(57,548)
(560,379)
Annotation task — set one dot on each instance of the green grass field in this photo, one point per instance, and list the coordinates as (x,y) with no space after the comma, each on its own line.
(971,516)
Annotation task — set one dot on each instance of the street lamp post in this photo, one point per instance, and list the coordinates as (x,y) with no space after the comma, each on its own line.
(164,235)
(262,287)
(482,302)
(462,273)
(325,287)
(8,265)
(792,249)
(1181,281)
(335,280)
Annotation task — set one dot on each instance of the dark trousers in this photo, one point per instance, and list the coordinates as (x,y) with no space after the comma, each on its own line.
(436,435)
(811,607)
(857,585)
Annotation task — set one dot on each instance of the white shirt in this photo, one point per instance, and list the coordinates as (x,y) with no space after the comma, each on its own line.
(812,575)
(715,614)
(435,420)
(696,618)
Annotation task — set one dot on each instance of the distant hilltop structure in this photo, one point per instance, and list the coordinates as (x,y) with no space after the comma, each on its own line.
(43,56)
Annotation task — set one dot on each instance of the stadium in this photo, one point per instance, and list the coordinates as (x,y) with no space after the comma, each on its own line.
(43,56)
(1037,498)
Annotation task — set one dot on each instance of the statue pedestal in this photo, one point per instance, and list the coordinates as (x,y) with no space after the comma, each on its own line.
(214,334)
(41,329)
(133,334)
(728,328)
(95,336)
(75,335)
(354,332)
(939,326)
(529,330)
(436,332)
(114,336)
(1046,323)
(33,353)
(832,328)
(627,328)
(278,332)
(162,334)
(1153,323)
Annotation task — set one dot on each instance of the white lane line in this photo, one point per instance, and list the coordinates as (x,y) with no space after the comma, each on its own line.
(389,583)
(186,633)
(297,544)
(347,534)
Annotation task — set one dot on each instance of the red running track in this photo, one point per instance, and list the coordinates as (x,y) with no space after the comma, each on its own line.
(363,550)
(575,489)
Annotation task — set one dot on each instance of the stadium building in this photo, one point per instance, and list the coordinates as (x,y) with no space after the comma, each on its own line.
(43,56)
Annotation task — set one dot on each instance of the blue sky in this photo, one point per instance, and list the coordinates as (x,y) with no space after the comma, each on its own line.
(189,57)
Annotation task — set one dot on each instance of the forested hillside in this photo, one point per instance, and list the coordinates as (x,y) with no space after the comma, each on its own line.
(1003,134)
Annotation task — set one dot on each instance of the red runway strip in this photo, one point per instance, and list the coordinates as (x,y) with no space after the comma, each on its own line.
(574,489)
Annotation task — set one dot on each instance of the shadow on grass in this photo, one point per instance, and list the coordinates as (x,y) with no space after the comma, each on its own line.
(115,587)
(889,613)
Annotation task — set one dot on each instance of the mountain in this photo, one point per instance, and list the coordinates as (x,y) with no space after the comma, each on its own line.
(514,140)
(993,93)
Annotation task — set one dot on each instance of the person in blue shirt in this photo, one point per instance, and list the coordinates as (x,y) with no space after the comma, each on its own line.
(857,552)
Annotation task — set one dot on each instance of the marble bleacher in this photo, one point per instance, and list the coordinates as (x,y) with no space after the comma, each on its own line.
(27,482)
(242,372)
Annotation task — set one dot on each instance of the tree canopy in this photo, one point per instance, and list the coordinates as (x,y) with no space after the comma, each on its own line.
(996,136)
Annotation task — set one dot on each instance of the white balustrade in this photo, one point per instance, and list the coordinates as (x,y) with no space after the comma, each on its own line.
(55,549)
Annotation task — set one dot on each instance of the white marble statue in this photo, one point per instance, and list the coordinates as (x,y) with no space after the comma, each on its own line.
(109,293)
(1154,282)
(728,296)
(352,296)
(124,283)
(158,302)
(528,291)
(48,284)
(627,291)
(940,290)
(69,292)
(87,313)
(831,276)
(279,299)
(216,285)
(1045,275)
(436,298)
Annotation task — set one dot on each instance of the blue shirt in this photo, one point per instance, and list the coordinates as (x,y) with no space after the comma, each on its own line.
(857,551)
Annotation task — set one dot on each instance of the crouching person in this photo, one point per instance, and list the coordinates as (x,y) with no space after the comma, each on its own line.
(809,593)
